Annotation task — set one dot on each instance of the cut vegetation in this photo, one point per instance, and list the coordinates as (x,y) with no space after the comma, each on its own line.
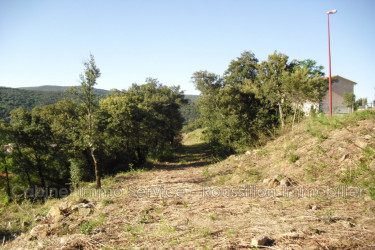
(200,209)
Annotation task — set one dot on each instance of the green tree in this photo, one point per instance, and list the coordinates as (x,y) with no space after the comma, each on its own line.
(314,69)
(349,100)
(301,86)
(3,157)
(89,101)
(241,69)
(270,79)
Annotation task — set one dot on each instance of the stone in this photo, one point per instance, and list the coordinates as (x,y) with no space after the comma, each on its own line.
(314,207)
(348,224)
(83,209)
(368,137)
(273,183)
(345,156)
(55,214)
(285,182)
(248,153)
(259,241)
(361,144)
(265,181)
(40,231)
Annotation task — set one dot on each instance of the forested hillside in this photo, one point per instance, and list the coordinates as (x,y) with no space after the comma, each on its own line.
(12,98)
(61,89)
(31,97)
(90,135)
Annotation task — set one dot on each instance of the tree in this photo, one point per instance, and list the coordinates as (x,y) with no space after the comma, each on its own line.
(314,69)
(270,80)
(349,100)
(141,121)
(301,86)
(3,156)
(241,69)
(86,95)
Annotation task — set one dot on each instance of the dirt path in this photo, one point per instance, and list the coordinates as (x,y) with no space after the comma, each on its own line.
(173,206)
(179,210)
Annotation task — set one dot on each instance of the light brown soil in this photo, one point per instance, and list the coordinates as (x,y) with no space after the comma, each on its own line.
(204,220)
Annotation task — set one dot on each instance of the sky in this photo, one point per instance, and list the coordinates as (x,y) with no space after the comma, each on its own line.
(46,42)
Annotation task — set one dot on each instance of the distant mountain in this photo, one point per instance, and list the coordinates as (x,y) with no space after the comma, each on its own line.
(13,98)
(31,97)
(192,98)
(60,89)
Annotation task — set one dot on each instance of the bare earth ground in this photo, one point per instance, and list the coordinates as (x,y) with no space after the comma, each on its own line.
(148,214)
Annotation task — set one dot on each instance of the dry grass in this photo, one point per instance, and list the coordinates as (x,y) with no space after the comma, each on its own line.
(198,220)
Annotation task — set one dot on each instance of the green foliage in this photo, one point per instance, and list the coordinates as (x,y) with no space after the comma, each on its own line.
(87,226)
(76,172)
(243,107)
(242,69)
(142,121)
(293,158)
(190,110)
(349,100)
(19,98)
(364,174)
(78,139)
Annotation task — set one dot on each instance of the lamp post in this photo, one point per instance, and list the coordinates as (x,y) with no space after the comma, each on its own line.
(329,61)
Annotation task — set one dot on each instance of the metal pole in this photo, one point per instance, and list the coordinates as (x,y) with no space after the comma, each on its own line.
(330,79)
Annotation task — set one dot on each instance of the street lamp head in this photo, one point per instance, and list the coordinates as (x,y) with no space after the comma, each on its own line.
(331,12)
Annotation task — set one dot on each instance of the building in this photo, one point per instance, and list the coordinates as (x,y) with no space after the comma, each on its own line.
(340,86)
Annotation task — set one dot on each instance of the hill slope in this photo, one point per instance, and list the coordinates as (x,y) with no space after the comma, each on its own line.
(56,88)
(195,203)
(13,98)
(30,97)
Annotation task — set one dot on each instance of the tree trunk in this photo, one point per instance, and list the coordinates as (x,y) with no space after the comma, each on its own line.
(40,172)
(28,163)
(294,115)
(97,172)
(7,180)
(281,114)
(28,177)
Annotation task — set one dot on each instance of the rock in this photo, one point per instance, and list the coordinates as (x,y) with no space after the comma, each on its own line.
(348,224)
(83,209)
(59,211)
(345,156)
(248,153)
(55,214)
(265,181)
(368,198)
(315,208)
(259,241)
(40,231)
(273,183)
(361,144)
(368,137)
(285,182)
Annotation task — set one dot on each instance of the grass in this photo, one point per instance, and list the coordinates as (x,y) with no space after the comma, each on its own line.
(213,217)
(88,226)
(107,202)
(293,158)
(19,217)
(363,174)
(320,125)
(164,223)
(194,137)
